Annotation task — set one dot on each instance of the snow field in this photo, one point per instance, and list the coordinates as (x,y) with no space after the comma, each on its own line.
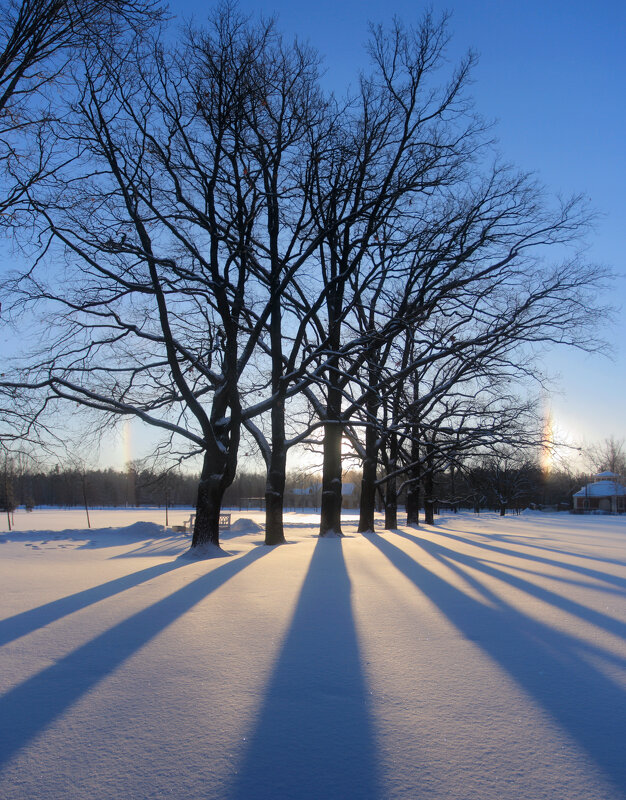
(482,659)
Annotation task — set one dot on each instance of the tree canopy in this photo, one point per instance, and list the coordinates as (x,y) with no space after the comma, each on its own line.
(221,249)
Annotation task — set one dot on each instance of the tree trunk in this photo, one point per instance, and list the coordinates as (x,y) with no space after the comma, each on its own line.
(453,488)
(274,496)
(368,481)
(413,504)
(413,490)
(429,487)
(391,505)
(502,509)
(330,519)
(277,466)
(368,495)
(391,485)
(370,462)
(211,490)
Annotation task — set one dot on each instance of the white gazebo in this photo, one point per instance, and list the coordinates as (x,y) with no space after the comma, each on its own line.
(605,495)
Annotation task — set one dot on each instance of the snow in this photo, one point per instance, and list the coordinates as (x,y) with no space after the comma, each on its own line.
(483,658)
(601,489)
(245,525)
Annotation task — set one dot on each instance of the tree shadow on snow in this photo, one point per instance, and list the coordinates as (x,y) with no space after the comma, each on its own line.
(30,707)
(545,662)
(28,621)
(456,561)
(314,737)
(521,551)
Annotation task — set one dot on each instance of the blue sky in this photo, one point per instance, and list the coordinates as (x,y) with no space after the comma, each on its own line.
(551,74)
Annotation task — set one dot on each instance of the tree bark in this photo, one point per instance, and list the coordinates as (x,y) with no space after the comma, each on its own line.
(391,486)
(391,505)
(429,487)
(207,528)
(213,483)
(275,494)
(413,491)
(368,491)
(370,462)
(330,519)
(413,504)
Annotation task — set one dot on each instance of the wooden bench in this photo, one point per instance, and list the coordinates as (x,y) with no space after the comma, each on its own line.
(224,523)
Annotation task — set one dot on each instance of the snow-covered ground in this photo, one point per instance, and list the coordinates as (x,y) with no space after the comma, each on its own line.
(482,659)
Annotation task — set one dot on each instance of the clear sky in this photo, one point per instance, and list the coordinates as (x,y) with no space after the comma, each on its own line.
(552,75)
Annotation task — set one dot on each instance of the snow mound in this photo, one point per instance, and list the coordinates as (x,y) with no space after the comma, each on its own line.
(245,525)
(149,530)
(204,551)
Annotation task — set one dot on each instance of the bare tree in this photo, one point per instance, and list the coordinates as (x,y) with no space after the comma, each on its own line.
(192,174)
(401,141)
(7,493)
(39,39)
(509,479)
(228,241)
(437,246)
(608,455)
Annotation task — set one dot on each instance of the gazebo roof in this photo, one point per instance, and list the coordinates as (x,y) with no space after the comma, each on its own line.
(601,489)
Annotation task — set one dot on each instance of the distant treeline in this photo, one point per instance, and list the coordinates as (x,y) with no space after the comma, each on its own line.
(479,487)
(68,487)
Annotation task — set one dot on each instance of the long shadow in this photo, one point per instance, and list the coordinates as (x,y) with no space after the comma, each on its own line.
(580,645)
(537,573)
(543,661)
(314,738)
(449,557)
(551,562)
(530,542)
(28,621)
(30,707)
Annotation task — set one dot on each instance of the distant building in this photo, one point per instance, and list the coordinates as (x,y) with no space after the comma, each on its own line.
(605,495)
